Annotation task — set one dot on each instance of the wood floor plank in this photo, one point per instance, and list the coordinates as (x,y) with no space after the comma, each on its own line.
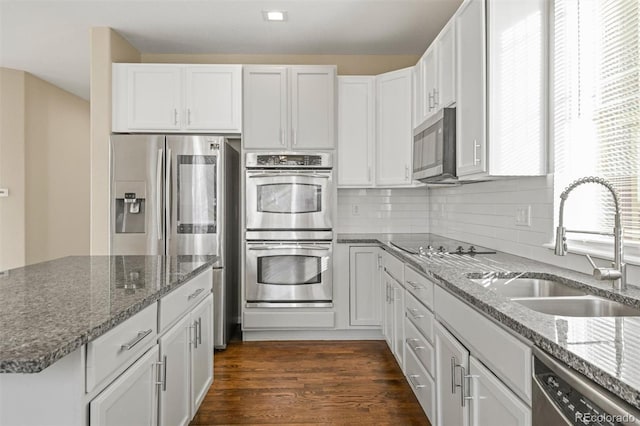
(308,383)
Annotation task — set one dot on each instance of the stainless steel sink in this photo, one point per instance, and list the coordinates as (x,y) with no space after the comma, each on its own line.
(585,306)
(528,287)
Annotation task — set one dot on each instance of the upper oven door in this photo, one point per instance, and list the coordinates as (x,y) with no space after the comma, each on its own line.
(289,199)
(428,150)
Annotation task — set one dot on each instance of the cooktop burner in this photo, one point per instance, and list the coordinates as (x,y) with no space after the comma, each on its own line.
(440,246)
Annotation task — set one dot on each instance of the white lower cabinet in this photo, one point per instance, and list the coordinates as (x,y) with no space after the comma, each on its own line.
(452,362)
(186,351)
(364,285)
(132,398)
(423,385)
(492,403)
(394,317)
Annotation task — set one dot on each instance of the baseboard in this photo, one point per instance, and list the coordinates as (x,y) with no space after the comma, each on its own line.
(264,335)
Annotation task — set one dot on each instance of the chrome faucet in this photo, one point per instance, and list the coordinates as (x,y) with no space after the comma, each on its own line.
(618,273)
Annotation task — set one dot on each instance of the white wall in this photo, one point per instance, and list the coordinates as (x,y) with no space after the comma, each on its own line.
(484,214)
(383,210)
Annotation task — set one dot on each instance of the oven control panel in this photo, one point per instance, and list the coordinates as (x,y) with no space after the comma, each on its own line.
(288,160)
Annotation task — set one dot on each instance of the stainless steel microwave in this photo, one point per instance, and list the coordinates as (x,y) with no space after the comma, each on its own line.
(434,148)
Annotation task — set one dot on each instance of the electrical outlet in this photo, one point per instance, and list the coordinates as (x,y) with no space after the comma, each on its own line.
(355,210)
(523,215)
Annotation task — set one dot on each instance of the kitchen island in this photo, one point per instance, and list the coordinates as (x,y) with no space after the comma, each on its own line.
(69,328)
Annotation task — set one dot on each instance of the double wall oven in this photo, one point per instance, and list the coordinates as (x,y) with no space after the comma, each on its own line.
(289,207)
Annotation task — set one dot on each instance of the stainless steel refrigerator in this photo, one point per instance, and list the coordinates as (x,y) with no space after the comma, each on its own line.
(178,195)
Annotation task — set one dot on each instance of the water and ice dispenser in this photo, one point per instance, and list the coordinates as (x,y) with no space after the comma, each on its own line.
(130,207)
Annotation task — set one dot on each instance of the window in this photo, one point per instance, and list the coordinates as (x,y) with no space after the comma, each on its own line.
(596,121)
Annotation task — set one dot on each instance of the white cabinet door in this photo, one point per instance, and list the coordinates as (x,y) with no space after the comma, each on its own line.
(364,286)
(394,132)
(492,402)
(398,322)
(312,107)
(430,80)
(201,352)
(388,311)
(418,94)
(471,87)
(154,97)
(213,97)
(356,130)
(175,393)
(132,398)
(265,107)
(452,361)
(446,93)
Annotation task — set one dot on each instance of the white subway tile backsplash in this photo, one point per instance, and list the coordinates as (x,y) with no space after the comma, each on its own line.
(399,210)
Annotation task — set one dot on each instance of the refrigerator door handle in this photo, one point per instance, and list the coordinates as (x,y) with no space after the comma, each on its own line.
(159,193)
(168,198)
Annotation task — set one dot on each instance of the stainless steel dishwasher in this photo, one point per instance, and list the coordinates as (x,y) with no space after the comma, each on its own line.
(564,397)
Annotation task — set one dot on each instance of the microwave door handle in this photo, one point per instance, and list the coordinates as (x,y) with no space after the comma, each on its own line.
(159,193)
(289,248)
(168,199)
(311,175)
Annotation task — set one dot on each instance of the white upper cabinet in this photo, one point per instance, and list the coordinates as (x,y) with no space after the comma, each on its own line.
(289,107)
(429,81)
(265,107)
(501,88)
(394,132)
(446,92)
(356,131)
(176,98)
(212,98)
(470,106)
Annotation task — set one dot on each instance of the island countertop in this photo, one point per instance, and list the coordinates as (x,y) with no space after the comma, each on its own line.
(49,309)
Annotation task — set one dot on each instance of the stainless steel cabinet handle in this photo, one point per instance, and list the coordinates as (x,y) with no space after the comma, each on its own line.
(289,248)
(195,293)
(414,285)
(379,261)
(453,374)
(139,337)
(412,312)
(309,175)
(159,193)
(387,292)
(464,395)
(415,385)
(189,116)
(199,330)
(406,172)
(414,348)
(476,159)
(167,197)
(435,97)
(161,374)
(194,327)
(175,116)
(430,101)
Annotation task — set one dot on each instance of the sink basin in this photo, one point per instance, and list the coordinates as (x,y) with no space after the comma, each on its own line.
(528,287)
(586,306)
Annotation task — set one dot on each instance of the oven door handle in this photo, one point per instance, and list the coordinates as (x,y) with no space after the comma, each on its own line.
(289,248)
(309,175)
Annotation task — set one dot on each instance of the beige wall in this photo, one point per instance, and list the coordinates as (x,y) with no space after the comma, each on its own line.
(107,47)
(12,170)
(44,153)
(347,64)
(57,172)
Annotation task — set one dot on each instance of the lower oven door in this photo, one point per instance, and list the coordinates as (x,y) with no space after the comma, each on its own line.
(289,274)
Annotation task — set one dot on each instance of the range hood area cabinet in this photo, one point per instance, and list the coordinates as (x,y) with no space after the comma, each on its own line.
(289,107)
(375,130)
(501,73)
(177,98)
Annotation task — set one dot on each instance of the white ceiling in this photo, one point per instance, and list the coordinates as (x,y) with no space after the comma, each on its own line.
(50,38)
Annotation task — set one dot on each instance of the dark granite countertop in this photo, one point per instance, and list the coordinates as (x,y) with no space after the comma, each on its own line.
(49,309)
(606,349)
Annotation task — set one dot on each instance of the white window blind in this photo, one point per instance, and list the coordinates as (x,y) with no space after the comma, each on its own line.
(596,122)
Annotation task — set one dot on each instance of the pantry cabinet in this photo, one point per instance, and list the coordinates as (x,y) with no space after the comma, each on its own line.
(394,133)
(176,98)
(289,107)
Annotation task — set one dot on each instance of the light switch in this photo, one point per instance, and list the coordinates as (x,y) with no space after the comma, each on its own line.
(523,215)
(355,210)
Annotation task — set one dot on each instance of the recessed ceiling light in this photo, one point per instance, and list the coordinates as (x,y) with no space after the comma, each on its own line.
(274,15)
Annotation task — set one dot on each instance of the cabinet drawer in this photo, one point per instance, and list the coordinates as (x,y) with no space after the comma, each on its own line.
(287,320)
(393,266)
(420,316)
(506,356)
(420,346)
(118,348)
(422,384)
(184,298)
(419,286)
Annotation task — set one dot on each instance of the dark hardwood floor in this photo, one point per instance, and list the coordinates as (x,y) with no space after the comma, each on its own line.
(310,382)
